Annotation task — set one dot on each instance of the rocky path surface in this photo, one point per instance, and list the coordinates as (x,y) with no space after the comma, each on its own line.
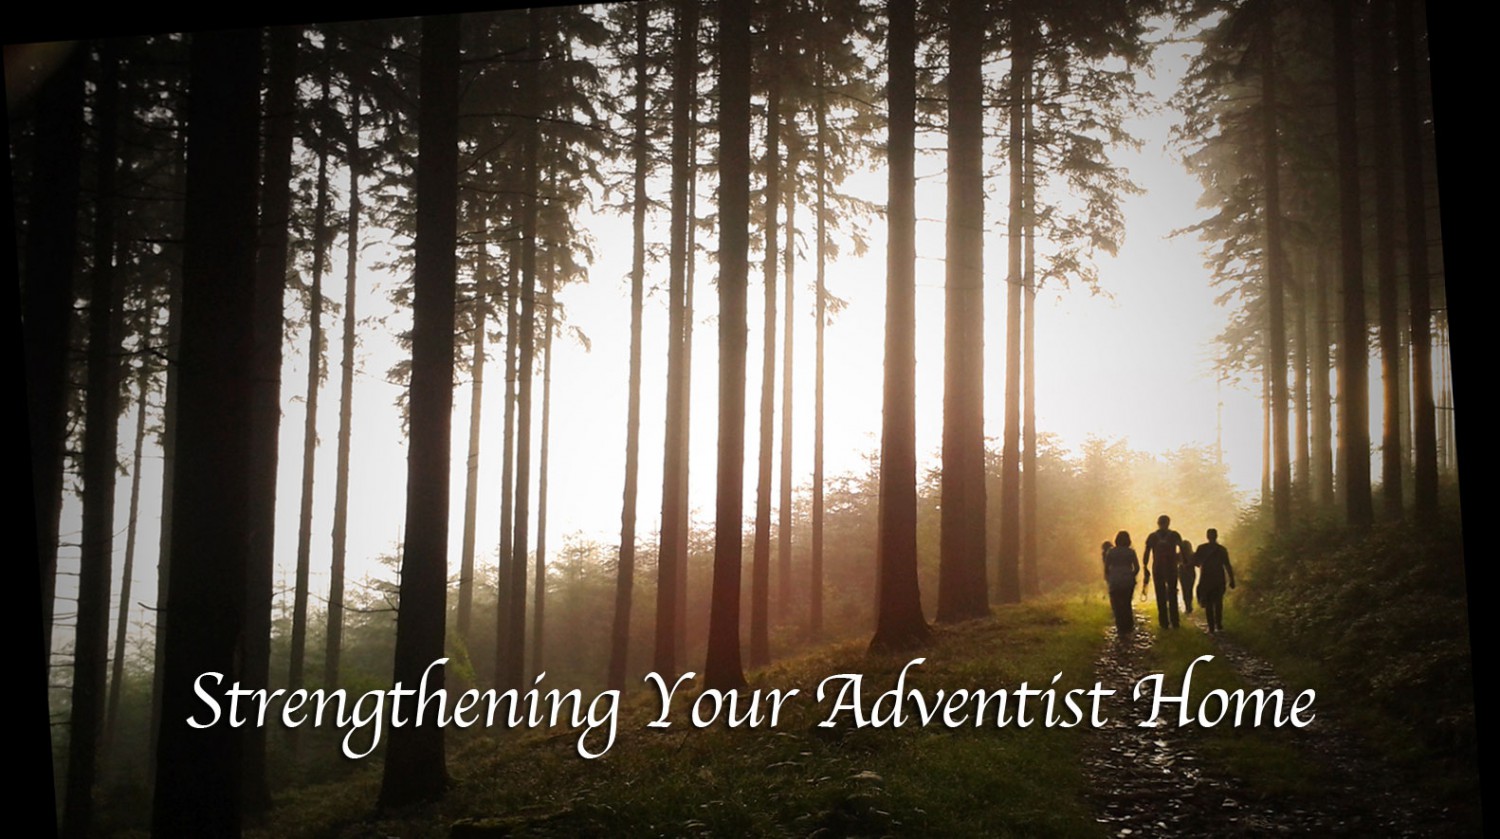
(1157,782)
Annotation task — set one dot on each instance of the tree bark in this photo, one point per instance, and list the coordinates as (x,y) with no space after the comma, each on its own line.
(962,591)
(899,623)
(471,467)
(1008,572)
(820,308)
(619,650)
(723,670)
(1354,362)
(1322,399)
(414,765)
(101,431)
(49,254)
(270,288)
(1030,573)
(1381,69)
(1424,422)
(513,662)
(1265,423)
(788,328)
(671,553)
(685,512)
(168,439)
(335,639)
(198,772)
(760,571)
(122,620)
(1275,292)
(539,585)
(504,575)
(297,664)
(1301,453)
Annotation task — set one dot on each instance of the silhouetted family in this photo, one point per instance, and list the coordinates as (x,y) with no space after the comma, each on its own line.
(1177,564)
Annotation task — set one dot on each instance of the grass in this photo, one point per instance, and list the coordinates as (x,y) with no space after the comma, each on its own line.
(795,779)
(1266,758)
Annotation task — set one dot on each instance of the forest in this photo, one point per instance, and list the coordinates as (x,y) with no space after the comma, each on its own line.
(590,347)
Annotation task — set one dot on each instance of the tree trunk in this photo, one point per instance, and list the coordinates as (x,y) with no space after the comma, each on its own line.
(1281,477)
(671,555)
(47,304)
(471,468)
(1321,393)
(101,430)
(310,427)
(788,327)
(685,512)
(122,620)
(1030,575)
(335,638)
(1301,454)
(820,308)
(539,584)
(1265,425)
(625,579)
(962,592)
(478,318)
(1403,375)
(270,289)
(1008,573)
(1385,261)
(760,571)
(723,670)
(503,599)
(1354,362)
(1445,365)
(899,623)
(1424,424)
(414,764)
(199,772)
(514,660)
(168,439)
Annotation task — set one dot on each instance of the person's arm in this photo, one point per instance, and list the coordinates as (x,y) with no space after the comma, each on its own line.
(1146,559)
(1228,569)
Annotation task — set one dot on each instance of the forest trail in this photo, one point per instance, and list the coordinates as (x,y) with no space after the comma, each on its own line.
(1162,781)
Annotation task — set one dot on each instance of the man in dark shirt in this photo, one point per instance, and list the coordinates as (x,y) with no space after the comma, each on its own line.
(1163,545)
(1213,569)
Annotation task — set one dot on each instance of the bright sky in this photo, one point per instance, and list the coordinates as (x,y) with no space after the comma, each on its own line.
(1107,365)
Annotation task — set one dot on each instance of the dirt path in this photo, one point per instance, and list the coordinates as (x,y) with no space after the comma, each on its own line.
(1156,781)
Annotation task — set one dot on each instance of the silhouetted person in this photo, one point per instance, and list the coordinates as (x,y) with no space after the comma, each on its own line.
(1120,570)
(1213,569)
(1187,574)
(1163,544)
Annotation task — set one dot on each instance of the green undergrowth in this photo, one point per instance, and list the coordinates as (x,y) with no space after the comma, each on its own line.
(1378,624)
(794,779)
(1384,616)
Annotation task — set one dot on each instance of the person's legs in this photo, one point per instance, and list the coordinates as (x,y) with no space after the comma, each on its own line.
(1213,604)
(1165,611)
(1172,598)
(1187,590)
(1119,601)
